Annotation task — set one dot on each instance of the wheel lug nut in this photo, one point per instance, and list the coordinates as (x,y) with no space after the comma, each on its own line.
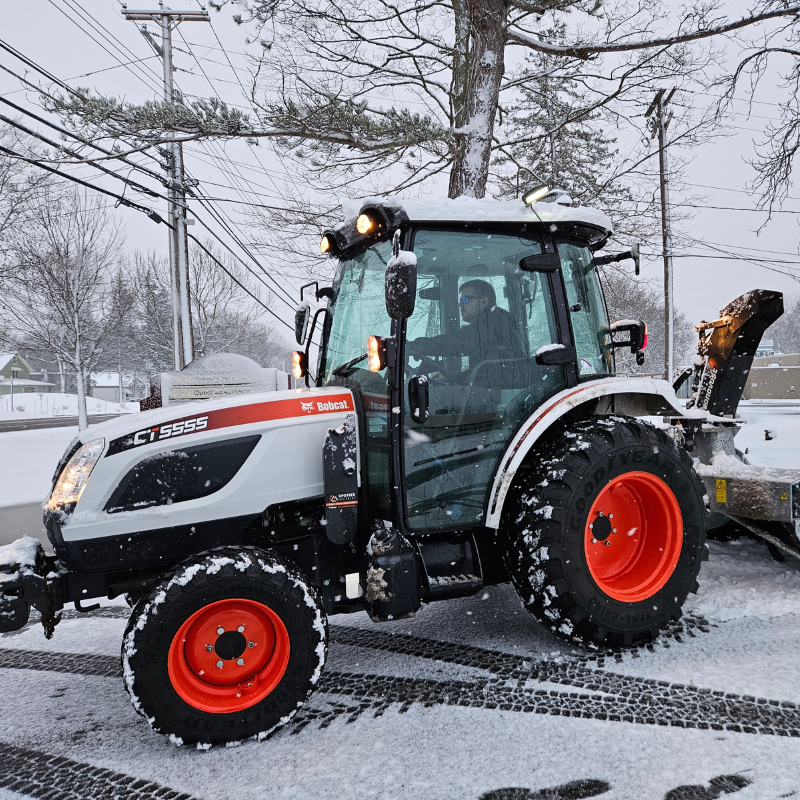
(611,516)
(613,530)
(220,664)
(220,631)
(591,526)
(209,647)
(240,662)
(240,629)
(607,543)
(594,541)
(251,644)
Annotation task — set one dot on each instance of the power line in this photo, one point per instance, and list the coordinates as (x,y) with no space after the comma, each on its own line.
(218,215)
(102,46)
(133,184)
(119,198)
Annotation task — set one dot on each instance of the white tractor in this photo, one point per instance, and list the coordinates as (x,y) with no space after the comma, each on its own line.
(463,427)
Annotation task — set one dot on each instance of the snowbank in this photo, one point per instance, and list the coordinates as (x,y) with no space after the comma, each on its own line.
(32,405)
(29,461)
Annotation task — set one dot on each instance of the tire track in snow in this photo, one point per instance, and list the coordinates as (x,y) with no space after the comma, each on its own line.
(38,774)
(602,694)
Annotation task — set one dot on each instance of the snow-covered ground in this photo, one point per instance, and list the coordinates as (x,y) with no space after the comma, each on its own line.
(471,699)
(56,404)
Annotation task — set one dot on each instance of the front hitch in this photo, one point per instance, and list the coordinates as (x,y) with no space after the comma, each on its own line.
(29,577)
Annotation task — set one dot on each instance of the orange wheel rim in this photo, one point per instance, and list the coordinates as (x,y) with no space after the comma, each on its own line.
(633,536)
(228,656)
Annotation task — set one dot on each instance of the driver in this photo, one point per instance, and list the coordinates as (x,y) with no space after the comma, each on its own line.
(490,332)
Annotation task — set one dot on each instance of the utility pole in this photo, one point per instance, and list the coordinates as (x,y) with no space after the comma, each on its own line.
(167,20)
(658,125)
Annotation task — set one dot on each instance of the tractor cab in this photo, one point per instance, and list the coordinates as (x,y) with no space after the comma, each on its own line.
(478,313)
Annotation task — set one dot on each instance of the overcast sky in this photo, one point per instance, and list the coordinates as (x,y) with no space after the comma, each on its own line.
(57,34)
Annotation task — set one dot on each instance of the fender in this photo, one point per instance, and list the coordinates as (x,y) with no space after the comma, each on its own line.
(634,397)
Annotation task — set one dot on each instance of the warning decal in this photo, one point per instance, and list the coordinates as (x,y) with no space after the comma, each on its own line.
(784,496)
(722,490)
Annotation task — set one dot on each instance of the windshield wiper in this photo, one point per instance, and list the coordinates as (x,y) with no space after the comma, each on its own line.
(347,364)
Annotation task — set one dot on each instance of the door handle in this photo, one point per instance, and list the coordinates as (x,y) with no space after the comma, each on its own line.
(418,398)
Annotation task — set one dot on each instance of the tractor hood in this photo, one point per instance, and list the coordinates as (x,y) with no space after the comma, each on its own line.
(194,464)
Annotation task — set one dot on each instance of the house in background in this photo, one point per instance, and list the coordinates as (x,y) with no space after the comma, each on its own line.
(15,376)
(766,347)
(105,386)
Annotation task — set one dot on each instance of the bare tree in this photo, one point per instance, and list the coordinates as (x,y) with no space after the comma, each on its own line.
(224,317)
(630,298)
(58,296)
(21,188)
(785,332)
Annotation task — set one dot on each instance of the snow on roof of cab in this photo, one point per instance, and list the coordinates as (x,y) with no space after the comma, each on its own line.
(470,209)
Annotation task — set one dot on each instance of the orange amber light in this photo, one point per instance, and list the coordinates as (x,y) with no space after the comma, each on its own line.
(298,364)
(376,353)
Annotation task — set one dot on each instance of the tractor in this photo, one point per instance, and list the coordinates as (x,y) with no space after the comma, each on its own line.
(461,426)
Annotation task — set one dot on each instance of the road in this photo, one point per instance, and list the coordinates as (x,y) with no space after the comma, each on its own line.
(8,425)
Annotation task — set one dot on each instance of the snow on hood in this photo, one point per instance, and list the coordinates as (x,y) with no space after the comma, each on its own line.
(470,209)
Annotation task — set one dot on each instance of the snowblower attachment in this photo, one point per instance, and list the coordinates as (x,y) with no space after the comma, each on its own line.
(764,501)
(727,347)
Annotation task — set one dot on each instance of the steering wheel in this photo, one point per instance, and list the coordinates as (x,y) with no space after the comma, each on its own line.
(428,365)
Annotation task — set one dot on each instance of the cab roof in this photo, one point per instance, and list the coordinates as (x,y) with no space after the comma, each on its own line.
(470,209)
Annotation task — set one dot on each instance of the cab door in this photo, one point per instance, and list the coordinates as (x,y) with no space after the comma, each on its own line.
(480,393)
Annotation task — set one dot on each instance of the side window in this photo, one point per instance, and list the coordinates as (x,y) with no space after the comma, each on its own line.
(538,316)
(587,309)
(180,475)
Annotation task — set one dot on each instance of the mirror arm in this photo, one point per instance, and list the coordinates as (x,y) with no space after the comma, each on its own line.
(311,330)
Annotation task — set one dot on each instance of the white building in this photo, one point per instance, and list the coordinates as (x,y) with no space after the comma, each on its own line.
(105,386)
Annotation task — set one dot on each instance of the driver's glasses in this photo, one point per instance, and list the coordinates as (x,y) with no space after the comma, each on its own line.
(465,298)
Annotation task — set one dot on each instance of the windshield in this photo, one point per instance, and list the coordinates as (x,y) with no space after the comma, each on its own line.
(358,309)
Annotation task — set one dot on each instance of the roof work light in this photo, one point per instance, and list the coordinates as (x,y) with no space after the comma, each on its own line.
(535,194)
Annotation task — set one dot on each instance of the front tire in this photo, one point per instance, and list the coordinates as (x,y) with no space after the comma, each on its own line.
(604,532)
(228,647)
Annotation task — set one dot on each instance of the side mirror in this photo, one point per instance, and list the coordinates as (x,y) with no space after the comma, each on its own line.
(401,281)
(638,334)
(301,317)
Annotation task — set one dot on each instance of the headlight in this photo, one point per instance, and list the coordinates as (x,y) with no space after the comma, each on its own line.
(73,477)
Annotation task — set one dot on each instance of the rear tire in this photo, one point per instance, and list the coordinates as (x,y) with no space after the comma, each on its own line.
(228,647)
(623,579)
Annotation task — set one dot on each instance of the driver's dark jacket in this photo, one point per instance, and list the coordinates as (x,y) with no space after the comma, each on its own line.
(493,335)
